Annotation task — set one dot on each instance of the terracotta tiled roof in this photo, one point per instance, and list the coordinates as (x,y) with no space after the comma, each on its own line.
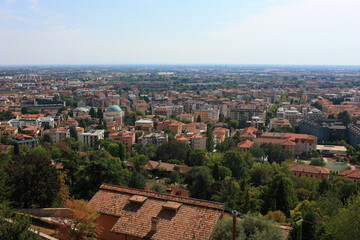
(194,219)
(293,136)
(308,168)
(57,130)
(245,144)
(21,137)
(350,173)
(168,166)
(285,142)
(249,130)
(33,116)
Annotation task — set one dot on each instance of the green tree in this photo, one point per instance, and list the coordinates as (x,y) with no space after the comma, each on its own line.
(175,176)
(257,152)
(280,194)
(234,124)
(215,172)
(304,221)
(198,119)
(229,193)
(346,118)
(196,158)
(24,110)
(15,226)
(16,150)
(93,113)
(223,229)
(242,123)
(318,162)
(228,144)
(130,119)
(158,187)
(117,150)
(6,115)
(173,150)
(137,180)
(98,168)
(35,179)
(210,140)
(252,227)
(73,132)
(236,163)
(275,152)
(261,174)
(201,183)
(100,114)
(5,190)
(47,139)
(331,116)
(139,161)
(343,187)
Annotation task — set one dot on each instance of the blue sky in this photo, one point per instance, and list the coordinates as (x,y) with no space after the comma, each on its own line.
(184,32)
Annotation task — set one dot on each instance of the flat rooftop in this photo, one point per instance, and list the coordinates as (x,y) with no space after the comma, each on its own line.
(330,148)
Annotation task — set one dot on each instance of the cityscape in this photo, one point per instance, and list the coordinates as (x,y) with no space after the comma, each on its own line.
(176,120)
(280,141)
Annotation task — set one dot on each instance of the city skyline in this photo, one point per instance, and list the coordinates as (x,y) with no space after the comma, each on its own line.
(270,32)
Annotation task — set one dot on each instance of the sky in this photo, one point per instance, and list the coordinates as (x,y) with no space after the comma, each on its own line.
(310,32)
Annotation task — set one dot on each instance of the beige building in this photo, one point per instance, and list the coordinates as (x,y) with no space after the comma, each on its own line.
(58,134)
(144,125)
(162,111)
(198,142)
(207,115)
(186,117)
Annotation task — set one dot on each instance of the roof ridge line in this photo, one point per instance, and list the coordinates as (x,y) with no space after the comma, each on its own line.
(163,196)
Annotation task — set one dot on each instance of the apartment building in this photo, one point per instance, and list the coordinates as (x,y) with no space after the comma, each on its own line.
(144,125)
(127,138)
(198,142)
(24,140)
(58,134)
(90,138)
(207,115)
(175,126)
(154,138)
(246,113)
(162,111)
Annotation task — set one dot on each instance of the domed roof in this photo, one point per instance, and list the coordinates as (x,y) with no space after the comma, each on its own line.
(113,108)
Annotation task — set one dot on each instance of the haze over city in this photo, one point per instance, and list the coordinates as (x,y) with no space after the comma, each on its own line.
(321,32)
(188,119)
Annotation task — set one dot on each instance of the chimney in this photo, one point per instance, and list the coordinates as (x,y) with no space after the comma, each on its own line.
(154,224)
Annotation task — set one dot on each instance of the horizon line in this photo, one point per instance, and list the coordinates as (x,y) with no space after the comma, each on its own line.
(175,64)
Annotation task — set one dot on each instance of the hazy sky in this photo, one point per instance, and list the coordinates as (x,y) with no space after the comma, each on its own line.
(180,31)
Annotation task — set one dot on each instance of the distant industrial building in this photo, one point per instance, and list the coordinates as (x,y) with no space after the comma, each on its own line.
(43,104)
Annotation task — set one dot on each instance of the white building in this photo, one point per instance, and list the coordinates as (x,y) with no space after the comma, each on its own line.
(19,123)
(49,121)
(91,137)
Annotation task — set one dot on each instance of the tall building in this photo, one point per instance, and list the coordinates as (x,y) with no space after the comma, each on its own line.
(127,138)
(246,113)
(207,115)
(90,138)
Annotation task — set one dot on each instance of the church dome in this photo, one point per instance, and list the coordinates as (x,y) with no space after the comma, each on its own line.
(113,108)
